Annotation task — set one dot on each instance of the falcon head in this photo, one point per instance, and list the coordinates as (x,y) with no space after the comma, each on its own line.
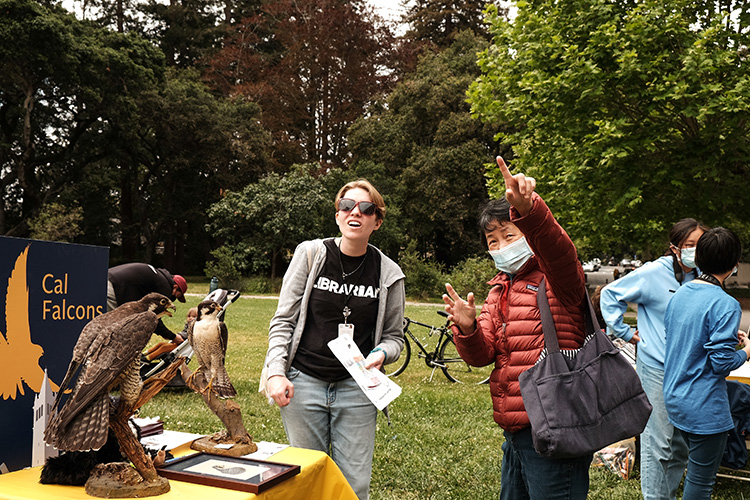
(158,304)
(208,308)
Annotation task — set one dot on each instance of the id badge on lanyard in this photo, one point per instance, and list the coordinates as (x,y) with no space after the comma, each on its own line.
(346,329)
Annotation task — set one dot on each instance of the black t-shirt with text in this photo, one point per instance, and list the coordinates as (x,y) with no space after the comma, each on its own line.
(359,291)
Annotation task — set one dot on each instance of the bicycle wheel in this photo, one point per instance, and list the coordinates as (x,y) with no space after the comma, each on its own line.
(395,369)
(456,368)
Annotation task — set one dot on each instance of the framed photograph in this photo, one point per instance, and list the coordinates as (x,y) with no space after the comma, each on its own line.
(235,473)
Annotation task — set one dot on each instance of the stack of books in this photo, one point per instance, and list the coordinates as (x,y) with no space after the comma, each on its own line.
(147,426)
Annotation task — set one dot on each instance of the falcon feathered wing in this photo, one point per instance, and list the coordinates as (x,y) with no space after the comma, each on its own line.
(94,329)
(82,422)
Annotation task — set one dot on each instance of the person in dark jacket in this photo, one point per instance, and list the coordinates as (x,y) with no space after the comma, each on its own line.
(527,244)
(132,281)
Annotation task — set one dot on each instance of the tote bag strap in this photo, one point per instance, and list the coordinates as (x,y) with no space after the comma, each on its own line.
(591,324)
(548,324)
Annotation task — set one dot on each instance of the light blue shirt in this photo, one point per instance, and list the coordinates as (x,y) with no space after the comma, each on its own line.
(702,322)
(650,288)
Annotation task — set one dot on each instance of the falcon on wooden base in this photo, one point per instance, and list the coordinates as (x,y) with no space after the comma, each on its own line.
(111,345)
(208,335)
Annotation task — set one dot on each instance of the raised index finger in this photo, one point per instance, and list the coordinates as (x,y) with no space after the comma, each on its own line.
(504,170)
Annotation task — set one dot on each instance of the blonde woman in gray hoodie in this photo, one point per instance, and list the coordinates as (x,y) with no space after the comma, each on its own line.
(336,286)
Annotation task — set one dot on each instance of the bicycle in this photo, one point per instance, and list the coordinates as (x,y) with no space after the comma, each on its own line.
(444,356)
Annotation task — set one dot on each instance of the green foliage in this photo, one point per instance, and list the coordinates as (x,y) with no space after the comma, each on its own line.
(186,31)
(225,267)
(425,279)
(428,154)
(265,221)
(182,148)
(65,85)
(261,285)
(440,21)
(472,275)
(631,115)
(57,223)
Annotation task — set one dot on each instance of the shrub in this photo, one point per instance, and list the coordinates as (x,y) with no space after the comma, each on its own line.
(262,285)
(225,267)
(472,275)
(424,278)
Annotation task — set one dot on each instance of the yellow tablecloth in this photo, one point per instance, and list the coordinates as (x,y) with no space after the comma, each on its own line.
(319,479)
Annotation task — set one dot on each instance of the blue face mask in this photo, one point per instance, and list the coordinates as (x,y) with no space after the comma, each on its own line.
(510,259)
(687,257)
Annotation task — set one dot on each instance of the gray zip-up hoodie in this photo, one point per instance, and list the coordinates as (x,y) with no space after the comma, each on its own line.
(288,323)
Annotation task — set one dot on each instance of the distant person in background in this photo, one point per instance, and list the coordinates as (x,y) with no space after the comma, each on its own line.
(128,282)
(702,323)
(650,287)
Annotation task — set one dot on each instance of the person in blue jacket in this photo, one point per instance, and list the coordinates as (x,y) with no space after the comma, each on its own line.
(650,287)
(702,323)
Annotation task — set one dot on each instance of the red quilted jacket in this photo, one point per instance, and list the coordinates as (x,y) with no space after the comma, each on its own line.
(508,331)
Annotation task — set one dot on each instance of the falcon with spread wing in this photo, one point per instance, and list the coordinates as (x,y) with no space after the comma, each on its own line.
(208,335)
(112,348)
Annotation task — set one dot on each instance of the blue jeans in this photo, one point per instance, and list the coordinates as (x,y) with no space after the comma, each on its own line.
(335,418)
(526,475)
(664,452)
(704,459)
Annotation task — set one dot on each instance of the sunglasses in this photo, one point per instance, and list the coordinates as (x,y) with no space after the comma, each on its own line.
(365,207)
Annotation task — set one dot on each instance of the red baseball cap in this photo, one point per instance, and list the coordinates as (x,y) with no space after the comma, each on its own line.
(181,284)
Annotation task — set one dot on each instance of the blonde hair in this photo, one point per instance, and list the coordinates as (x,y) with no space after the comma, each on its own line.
(365,185)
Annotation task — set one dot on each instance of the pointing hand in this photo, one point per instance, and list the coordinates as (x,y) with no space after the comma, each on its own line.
(518,188)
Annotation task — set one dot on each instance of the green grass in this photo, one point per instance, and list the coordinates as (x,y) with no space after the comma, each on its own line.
(442,442)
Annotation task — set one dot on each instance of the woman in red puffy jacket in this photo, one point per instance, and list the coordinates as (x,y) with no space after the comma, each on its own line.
(527,244)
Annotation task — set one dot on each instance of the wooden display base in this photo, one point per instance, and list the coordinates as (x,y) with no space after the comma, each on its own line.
(217,444)
(121,480)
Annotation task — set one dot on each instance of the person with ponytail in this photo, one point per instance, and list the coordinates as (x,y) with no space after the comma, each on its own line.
(663,449)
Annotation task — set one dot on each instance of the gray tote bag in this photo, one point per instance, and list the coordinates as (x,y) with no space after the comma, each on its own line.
(580,405)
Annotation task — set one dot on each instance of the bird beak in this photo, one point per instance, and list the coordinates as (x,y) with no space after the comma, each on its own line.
(218,307)
(167,310)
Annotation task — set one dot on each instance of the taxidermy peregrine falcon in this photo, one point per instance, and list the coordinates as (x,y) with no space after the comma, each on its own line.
(208,335)
(111,347)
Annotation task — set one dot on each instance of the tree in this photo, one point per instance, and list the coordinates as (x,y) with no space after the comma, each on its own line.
(93,118)
(631,115)
(439,21)
(63,82)
(424,148)
(265,221)
(174,158)
(187,31)
(313,66)
(57,223)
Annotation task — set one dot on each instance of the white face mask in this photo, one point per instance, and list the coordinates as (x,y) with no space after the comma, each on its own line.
(510,259)
(687,257)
